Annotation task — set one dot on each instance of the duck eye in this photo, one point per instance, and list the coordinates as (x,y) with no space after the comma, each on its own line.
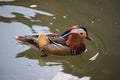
(81,33)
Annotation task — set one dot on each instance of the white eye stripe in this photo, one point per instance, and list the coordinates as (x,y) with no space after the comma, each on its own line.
(78,31)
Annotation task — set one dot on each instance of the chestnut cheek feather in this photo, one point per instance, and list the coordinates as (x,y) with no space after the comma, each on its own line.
(75,42)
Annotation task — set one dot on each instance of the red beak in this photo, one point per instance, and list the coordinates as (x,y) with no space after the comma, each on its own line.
(88,38)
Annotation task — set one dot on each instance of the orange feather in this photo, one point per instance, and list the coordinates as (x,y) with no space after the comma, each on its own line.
(74,41)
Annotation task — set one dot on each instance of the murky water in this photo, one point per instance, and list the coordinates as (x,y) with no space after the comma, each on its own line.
(21,17)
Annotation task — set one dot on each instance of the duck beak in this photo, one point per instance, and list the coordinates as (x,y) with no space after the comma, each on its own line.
(88,38)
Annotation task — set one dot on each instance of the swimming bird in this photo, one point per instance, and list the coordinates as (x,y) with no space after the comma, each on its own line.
(69,42)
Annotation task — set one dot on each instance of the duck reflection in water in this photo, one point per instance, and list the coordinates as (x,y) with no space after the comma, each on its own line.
(68,43)
(68,64)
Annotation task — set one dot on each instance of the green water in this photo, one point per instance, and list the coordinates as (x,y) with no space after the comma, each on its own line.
(22,17)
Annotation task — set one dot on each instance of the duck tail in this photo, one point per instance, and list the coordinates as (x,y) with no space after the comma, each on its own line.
(30,40)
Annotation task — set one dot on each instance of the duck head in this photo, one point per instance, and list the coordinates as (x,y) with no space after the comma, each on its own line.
(76,30)
(74,37)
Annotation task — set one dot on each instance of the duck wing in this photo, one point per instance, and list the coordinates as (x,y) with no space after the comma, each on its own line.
(32,40)
(57,40)
(44,40)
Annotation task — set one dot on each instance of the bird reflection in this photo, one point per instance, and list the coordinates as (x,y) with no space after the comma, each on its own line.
(70,64)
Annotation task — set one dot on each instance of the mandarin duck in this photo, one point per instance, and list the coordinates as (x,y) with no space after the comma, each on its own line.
(69,42)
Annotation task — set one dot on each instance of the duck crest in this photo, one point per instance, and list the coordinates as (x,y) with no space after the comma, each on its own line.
(75,42)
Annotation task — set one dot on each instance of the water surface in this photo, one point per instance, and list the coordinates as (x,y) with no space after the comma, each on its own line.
(22,17)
